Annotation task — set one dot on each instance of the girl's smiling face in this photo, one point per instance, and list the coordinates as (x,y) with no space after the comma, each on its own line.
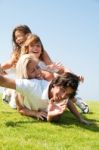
(35,49)
(20,37)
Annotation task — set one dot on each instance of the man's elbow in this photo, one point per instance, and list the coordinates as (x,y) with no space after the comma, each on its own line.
(21,111)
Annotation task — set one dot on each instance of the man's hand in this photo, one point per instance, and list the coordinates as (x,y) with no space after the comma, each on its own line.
(55,109)
(41,115)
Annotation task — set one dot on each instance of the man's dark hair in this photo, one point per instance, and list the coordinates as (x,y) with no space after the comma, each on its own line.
(65,81)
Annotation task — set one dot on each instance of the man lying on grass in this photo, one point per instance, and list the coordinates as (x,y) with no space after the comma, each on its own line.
(40,98)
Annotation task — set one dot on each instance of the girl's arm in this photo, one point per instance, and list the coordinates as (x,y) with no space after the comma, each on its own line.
(46,58)
(8,64)
(52,66)
(47,75)
(57,67)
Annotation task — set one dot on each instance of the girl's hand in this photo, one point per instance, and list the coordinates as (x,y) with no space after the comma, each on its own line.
(56,68)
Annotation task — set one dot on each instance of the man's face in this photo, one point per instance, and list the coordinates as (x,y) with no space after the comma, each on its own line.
(59,93)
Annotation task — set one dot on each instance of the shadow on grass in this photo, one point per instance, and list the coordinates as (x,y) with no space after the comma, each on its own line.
(19,123)
(68,120)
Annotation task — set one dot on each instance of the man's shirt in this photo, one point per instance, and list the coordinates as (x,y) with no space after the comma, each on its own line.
(35,93)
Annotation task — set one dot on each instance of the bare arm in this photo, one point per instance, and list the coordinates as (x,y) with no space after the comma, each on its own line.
(8,64)
(46,58)
(7,82)
(60,68)
(27,112)
(47,75)
(75,112)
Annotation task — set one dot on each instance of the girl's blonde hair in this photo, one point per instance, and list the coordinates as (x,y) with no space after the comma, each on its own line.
(32,38)
(21,66)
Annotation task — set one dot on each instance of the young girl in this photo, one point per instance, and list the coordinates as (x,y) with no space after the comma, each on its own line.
(34,45)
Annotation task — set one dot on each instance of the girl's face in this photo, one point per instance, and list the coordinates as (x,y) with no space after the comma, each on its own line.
(20,37)
(59,93)
(35,49)
(33,71)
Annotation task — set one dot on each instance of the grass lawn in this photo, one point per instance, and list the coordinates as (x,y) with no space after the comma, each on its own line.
(23,133)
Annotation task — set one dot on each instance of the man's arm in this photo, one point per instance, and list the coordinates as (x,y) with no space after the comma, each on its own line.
(75,112)
(7,82)
(27,112)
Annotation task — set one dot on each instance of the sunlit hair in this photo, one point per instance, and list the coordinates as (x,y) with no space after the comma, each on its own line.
(16,48)
(32,39)
(21,66)
(65,81)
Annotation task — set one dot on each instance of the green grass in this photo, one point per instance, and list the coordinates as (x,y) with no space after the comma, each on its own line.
(23,133)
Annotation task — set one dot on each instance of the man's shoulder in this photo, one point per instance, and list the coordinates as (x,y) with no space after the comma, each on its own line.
(26,81)
(27,84)
(31,82)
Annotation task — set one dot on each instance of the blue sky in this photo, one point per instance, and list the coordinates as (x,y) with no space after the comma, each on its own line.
(69,30)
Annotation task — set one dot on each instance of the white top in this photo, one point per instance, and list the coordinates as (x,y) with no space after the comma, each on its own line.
(35,93)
